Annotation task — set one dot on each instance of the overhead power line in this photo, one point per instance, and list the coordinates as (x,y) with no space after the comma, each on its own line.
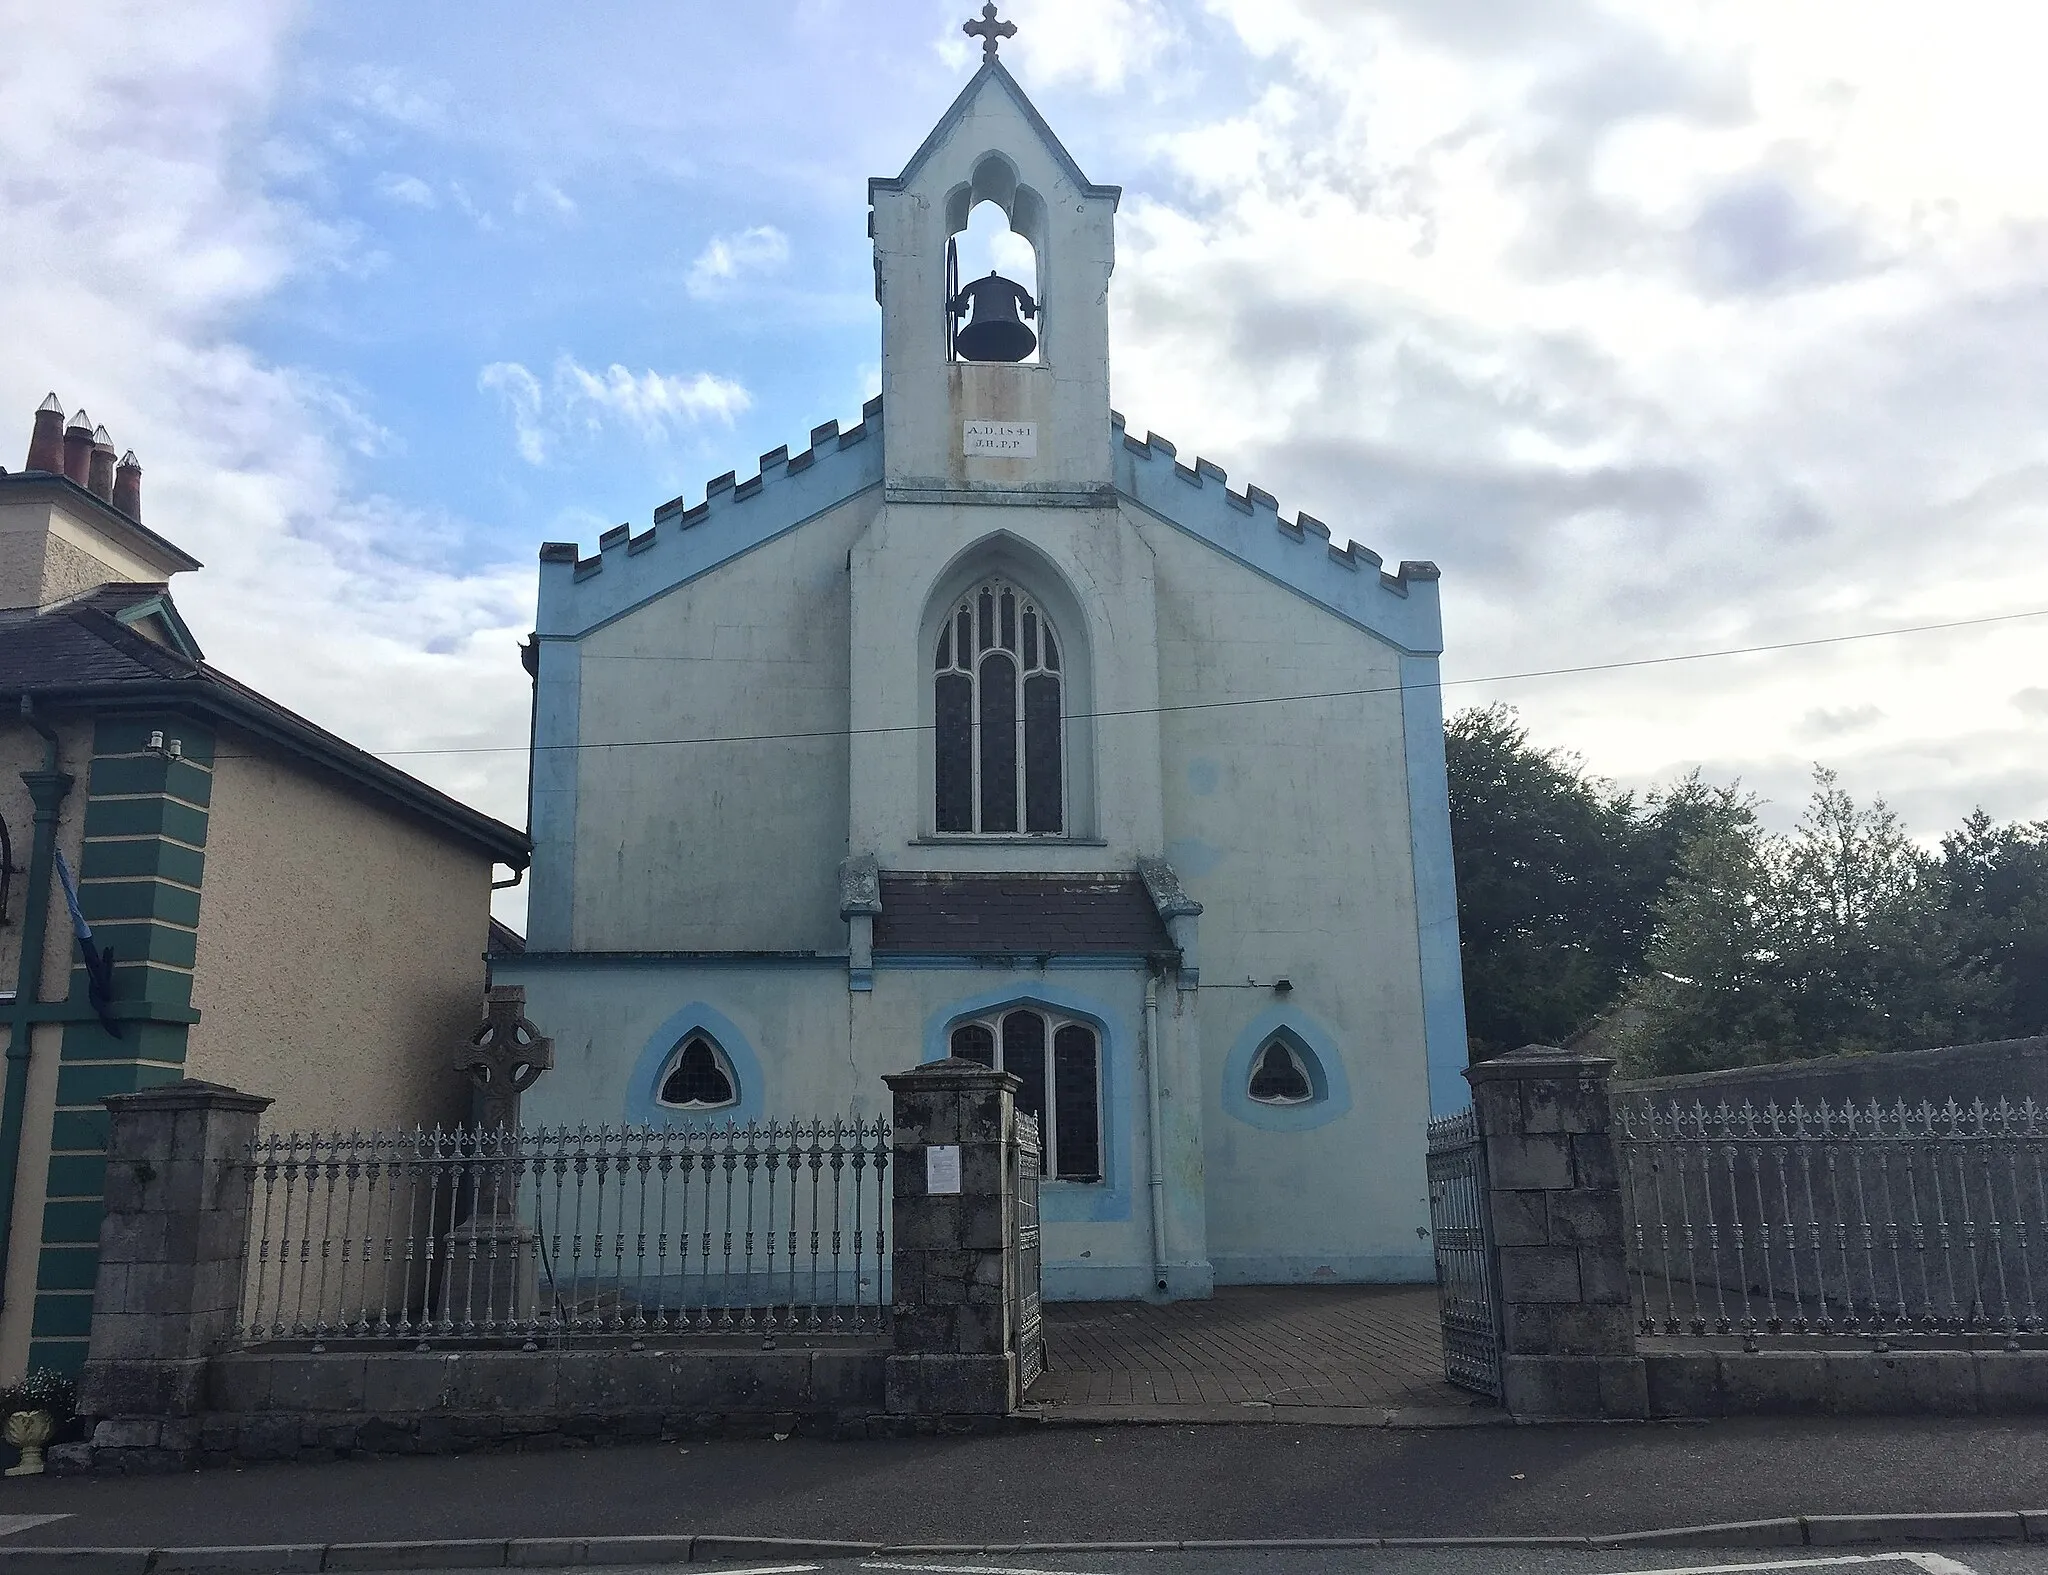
(1223,705)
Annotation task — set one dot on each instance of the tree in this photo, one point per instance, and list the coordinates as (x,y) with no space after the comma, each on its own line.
(1842,937)
(1558,874)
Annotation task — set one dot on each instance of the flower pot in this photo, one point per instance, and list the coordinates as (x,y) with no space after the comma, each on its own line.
(28,1431)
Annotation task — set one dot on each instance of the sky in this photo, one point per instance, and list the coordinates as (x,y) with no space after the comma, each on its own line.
(1660,325)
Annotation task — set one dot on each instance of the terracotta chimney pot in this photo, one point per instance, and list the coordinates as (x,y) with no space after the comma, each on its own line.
(46,443)
(128,487)
(78,448)
(100,472)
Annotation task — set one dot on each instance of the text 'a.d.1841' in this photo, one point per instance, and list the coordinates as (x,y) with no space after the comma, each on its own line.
(999,439)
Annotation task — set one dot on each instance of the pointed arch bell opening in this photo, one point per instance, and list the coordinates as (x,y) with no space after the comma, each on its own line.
(1007,702)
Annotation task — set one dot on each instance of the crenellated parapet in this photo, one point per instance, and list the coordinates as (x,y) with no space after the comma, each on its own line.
(1400,608)
(577,594)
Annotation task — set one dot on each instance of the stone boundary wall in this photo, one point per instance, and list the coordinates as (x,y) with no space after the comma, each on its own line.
(1845,1382)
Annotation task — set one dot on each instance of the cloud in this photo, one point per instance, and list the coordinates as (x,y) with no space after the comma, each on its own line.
(1823,722)
(322,594)
(729,258)
(407,190)
(544,197)
(519,390)
(1095,43)
(1652,326)
(578,402)
(2032,702)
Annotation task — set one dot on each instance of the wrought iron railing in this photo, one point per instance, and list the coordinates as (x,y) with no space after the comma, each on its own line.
(1468,1300)
(559,1234)
(1852,1219)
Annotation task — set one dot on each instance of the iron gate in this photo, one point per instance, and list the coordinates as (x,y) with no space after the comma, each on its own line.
(1467,1286)
(1029,1159)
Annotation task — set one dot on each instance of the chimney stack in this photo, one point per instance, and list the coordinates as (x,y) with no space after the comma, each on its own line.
(46,444)
(100,473)
(78,449)
(128,487)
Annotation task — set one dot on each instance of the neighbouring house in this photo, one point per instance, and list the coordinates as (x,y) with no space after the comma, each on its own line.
(282,912)
(987,728)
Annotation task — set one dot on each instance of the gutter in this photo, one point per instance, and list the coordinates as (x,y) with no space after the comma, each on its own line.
(54,785)
(1154,1144)
(207,695)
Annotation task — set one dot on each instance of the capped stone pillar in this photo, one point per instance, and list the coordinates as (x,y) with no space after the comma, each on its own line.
(954,1260)
(174,1245)
(1554,1205)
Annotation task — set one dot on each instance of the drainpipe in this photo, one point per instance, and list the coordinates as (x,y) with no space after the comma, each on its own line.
(1155,1148)
(28,984)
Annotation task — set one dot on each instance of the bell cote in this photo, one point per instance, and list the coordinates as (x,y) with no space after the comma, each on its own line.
(995,360)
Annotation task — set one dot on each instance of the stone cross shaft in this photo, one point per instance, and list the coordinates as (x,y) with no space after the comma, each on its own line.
(989,31)
(504,1055)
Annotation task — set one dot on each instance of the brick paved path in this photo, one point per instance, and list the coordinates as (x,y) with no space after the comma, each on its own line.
(1261,1352)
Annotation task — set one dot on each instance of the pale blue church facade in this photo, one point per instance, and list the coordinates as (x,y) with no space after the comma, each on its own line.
(987,726)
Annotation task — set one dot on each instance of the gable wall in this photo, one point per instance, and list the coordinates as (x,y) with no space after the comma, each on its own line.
(1290,823)
(725,847)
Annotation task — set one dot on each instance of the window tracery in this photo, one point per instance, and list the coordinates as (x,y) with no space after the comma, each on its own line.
(700,1077)
(998,709)
(1062,1089)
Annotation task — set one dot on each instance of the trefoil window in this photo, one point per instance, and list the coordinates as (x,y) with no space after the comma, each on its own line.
(999,717)
(1279,1076)
(1063,1088)
(700,1077)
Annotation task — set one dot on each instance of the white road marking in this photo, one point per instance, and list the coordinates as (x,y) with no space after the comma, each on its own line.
(1931,1563)
(771,1569)
(10,1524)
(977,1569)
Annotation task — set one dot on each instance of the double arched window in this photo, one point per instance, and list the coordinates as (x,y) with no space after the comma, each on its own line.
(998,709)
(1058,1063)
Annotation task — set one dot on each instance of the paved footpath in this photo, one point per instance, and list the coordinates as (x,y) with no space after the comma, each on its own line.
(1084,1484)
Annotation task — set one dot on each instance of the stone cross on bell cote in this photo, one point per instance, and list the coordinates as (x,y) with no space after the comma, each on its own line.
(504,1056)
(989,30)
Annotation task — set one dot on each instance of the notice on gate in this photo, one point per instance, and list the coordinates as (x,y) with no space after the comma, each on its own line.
(999,439)
(942,1169)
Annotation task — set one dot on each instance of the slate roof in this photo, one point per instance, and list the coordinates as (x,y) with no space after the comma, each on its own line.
(1019,915)
(79,655)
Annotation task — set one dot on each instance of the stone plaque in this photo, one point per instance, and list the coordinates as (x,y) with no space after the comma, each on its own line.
(999,439)
(942,1169)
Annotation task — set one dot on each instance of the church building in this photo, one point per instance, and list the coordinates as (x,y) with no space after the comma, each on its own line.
(987,727)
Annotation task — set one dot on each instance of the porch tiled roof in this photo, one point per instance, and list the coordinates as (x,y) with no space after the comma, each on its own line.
(1018,915)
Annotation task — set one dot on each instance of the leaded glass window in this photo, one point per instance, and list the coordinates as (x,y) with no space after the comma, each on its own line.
(699,1077)
(999,717)
(1058,1064)
(1278,1076)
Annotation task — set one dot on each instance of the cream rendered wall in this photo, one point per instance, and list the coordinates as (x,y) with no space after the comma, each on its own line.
(47,553)
(22,750)
(915,550)
(727,847)
(1290,824)
(339,953)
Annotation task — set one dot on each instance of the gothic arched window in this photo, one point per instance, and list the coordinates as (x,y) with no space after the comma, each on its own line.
(1063,1089)
(998,708)
(699,1077)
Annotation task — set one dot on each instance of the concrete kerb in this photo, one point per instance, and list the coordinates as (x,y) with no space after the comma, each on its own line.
(572,1552)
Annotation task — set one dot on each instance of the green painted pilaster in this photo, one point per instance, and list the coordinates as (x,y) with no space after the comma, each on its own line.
(139,877)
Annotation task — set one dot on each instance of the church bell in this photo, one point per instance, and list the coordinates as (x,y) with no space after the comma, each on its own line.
(996,331)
